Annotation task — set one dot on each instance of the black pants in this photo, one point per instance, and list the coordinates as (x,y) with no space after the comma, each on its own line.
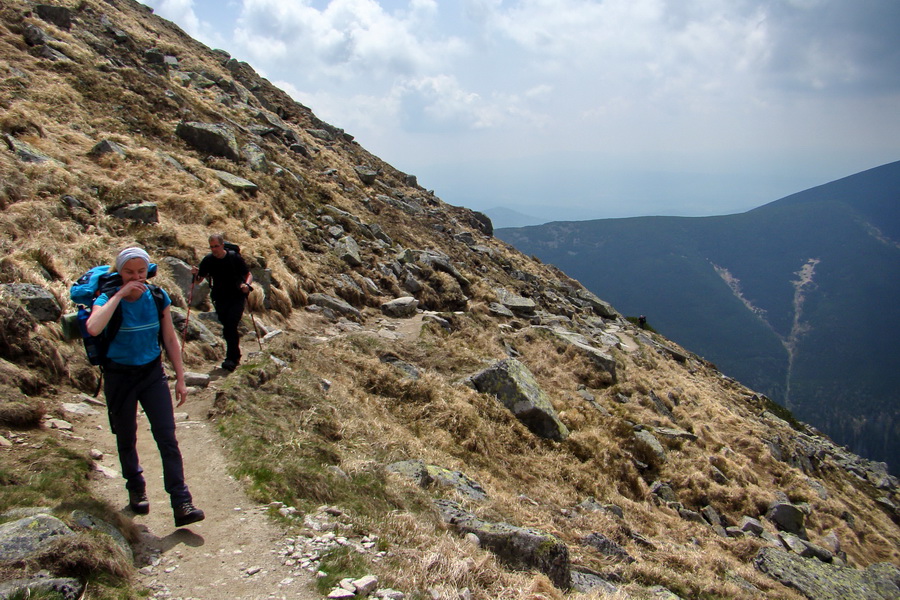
(125,386)
(229,311)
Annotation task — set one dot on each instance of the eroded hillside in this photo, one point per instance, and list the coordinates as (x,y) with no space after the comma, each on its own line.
(637,467)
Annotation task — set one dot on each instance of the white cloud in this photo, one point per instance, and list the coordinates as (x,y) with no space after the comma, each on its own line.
(346,40)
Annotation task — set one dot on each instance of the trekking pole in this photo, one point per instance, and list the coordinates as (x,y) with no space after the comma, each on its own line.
(253,320)
(187,316)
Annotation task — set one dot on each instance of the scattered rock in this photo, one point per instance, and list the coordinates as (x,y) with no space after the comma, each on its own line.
(515,387)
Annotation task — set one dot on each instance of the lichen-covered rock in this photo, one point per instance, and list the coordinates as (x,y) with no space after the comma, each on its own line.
(142,212)
(819,581)
(515,387)
(20,538)
(518,547)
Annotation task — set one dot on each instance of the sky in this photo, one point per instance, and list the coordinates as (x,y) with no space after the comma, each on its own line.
(583,109)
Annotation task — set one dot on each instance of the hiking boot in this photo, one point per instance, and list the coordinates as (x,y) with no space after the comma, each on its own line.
(187,513)
(229,365)
(138,502)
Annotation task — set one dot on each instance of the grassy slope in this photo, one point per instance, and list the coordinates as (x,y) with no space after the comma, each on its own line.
(284,429)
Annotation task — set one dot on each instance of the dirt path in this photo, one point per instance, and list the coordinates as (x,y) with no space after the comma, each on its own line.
(234,553)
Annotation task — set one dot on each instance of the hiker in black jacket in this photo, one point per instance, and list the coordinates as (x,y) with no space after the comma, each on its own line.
(230,278)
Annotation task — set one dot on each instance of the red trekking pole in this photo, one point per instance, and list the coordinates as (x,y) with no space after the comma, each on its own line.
(187,316)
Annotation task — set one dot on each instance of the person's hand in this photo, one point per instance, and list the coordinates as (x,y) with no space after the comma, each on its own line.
(246,288)
(180,392)
(195,270)
(133,289)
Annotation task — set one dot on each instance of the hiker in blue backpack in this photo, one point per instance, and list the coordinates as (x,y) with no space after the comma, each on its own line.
(134,374)
(230,286)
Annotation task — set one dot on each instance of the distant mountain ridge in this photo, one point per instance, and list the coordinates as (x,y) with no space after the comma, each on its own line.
(796,298)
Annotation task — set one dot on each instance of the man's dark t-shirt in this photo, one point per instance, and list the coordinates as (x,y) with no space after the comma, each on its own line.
(226,274)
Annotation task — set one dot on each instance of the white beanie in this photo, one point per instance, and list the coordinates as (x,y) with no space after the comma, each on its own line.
(129,253)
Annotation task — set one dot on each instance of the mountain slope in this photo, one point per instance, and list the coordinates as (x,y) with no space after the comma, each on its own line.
(413,377)
(793,298)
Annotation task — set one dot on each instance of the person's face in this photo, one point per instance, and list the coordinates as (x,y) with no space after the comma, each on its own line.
(134,270)
(217,248)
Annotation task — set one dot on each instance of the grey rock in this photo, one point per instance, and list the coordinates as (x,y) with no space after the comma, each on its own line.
(196,329)
(366,174)
(600,359)
(787,517)
(660,406)
(459,481)
(347,250)
(751,526)
(414,469)
(498,309)
(518,547)
(62,587)
(60,16)
(19,539)
(650,444)
(256,158)
(515,387)
(26,152)
(194,293)
(142,212)
(600,308)
(409,370)
(40,303)
(238,184)
(89,521)
(35,36)
(718,476)
(107,147)
(400,308)
(335,304)
(607,547)
(675,434)
(663,491)
(586,582)
(212,138)
(819,581)
(321,134)
(517,304)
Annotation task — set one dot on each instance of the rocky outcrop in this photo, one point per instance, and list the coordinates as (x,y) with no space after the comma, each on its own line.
(23,537)
(515,387)
(335,304)
(819,581)
(42,305)
(600,359)
(211,138)
(518,547)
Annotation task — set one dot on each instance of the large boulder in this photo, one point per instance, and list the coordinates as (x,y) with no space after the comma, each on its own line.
(39,302)
(336,304)
(400,308)
(517,304)
(212,138)
(347,249)
(819,581)
(518,547)
(21,538)
(195,293)
(515,387)
(787,517)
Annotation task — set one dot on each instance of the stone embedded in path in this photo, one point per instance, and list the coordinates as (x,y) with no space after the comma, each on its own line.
(515,387)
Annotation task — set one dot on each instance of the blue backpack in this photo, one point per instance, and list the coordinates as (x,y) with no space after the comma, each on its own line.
(88,287)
